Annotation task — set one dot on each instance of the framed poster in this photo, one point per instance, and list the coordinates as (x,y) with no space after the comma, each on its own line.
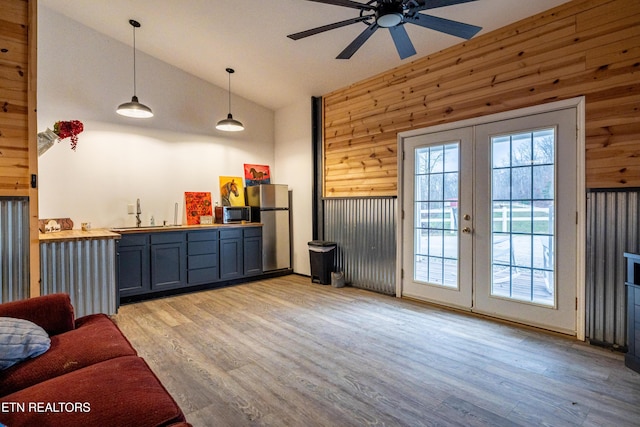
(256,175)
(231,191)
(197,204)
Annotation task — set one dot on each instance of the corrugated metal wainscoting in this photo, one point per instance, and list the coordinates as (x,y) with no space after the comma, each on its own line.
(14,248)
(365,230)
(85,269)
(612,229)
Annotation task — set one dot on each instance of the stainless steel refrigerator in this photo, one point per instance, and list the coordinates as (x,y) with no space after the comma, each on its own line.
(270,206)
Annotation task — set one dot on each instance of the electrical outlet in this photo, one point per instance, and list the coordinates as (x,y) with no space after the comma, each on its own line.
(131,209)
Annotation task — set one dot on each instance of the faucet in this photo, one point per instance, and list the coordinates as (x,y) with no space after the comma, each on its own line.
(138,212)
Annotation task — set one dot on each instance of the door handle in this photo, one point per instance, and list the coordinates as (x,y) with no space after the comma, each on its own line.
(466,230)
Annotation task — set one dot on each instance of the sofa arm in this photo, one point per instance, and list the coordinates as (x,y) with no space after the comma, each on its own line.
(54,313)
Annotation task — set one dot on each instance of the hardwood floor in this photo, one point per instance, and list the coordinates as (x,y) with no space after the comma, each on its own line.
(286,352)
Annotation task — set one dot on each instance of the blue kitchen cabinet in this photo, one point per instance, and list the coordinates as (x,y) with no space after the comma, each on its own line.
(163,262)
(168,260)
(202,257)
(231,254)
(133,264)
(252,251)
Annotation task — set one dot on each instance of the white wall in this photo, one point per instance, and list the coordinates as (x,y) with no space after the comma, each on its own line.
(294,166)
(84,75)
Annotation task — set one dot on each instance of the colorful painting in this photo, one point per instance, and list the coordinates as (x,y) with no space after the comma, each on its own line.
(256,175)
(231,191)
(197,204)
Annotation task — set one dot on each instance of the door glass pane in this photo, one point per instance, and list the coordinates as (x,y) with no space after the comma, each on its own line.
(523,204)
(436,215)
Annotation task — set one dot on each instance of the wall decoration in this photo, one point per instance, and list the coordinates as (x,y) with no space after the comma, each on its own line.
(61,130)
(52,225)
(197,204)
(256,175)
(231,191)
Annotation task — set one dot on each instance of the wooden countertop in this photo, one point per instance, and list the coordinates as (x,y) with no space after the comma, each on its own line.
(71,235)
(161,228)
(114,233)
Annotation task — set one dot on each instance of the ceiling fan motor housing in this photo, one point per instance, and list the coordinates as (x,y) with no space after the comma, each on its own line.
(389,14)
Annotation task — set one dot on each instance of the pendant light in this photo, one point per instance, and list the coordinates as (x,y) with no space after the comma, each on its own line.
(230,124)
(134,108)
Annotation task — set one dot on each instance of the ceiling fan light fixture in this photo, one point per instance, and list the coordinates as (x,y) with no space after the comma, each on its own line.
(134,108)
(389,15)
(389,20)
(230,124)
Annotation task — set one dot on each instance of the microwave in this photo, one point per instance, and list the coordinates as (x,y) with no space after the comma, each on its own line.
(232,214)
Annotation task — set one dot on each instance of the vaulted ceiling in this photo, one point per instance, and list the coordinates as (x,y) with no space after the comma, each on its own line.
(203,37)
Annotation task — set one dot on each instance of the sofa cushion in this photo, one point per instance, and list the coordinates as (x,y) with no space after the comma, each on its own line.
(95,339)
(54,313)
(20,340)
(118,392)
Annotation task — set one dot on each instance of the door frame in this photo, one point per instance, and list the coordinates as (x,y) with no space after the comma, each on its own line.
(579,104)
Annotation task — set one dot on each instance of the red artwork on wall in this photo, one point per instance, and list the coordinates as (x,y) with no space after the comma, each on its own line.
(256,175)
(197,204)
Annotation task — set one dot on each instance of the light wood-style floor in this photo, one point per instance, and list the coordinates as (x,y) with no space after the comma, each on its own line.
(286,352)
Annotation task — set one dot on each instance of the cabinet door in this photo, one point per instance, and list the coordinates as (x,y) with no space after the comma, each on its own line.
(133,267)
(231,258)
(252,252)
(168,265)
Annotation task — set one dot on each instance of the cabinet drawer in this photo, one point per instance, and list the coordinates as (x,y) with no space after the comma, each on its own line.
(253,232)
(205,247)
(203,275)
(202,261)
(164,237)
(231,233)
(133,240)
(197,236)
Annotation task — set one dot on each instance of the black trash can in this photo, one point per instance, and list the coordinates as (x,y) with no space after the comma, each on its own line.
(321,254)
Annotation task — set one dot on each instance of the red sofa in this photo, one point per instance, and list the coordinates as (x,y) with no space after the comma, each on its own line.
(90,376)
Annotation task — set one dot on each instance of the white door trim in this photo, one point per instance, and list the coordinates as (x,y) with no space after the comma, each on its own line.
(577,103)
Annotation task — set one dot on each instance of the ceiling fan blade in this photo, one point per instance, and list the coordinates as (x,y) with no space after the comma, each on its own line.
(346,3)
(311,32)
(433,4)
(455,28)
(403,43)
(358,42)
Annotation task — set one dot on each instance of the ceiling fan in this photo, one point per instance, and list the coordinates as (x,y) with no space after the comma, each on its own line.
(393,14)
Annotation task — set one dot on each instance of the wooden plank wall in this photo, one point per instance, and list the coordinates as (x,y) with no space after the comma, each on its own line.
(18,117)
(14,78)
(584,47)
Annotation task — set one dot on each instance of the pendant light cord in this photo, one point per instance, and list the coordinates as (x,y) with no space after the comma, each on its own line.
(134,60)
(229,91)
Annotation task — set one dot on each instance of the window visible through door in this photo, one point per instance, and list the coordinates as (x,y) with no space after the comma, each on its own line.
(523,208)
(436,201)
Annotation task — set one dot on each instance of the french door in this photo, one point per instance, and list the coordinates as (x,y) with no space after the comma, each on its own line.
(440,241)
(490,219)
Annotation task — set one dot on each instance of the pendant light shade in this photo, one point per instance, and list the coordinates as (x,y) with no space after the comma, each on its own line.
(134,108)
(230,124)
